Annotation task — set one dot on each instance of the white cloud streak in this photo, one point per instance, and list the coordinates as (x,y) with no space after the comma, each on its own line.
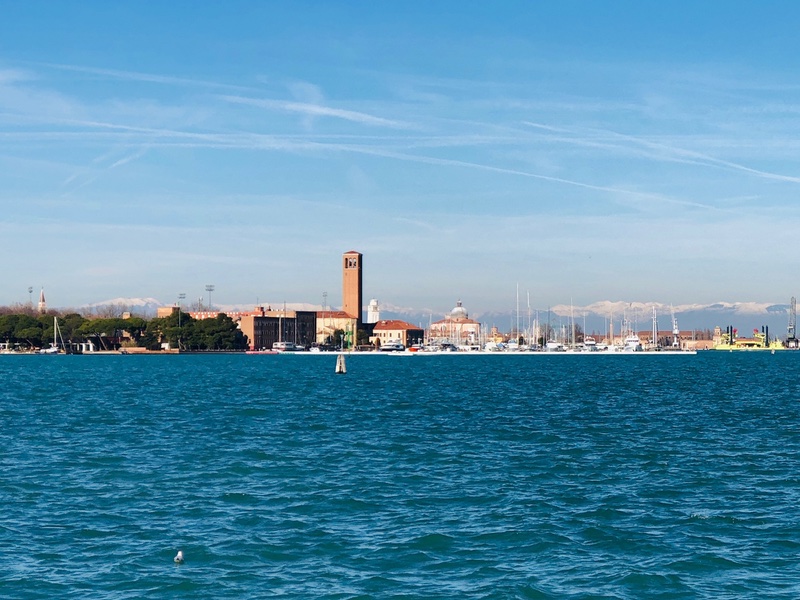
(317,110)
(138,76)
(656,150)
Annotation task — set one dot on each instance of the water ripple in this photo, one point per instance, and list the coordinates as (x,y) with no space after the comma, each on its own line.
(435,477)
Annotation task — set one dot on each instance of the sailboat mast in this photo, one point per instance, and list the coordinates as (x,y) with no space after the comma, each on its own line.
(517,327)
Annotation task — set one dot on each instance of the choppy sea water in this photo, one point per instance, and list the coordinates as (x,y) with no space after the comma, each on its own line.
(409,477)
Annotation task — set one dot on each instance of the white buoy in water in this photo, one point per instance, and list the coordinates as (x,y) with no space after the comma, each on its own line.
(341,369)
(179,557)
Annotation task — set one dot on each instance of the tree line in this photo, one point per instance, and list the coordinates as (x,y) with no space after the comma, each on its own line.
(180,330)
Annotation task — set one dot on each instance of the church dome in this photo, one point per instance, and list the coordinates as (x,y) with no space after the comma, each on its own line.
(459,312)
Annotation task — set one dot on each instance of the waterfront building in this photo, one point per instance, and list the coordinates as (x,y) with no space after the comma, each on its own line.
(265,327)
(199,315)
(329,321)
(396,331)
(456,328)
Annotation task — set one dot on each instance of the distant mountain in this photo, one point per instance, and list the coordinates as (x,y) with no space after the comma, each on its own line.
(147,307)
(742,315)
(144,307)
(690,316)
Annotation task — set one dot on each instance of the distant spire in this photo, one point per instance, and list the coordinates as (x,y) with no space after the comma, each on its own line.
(42,303)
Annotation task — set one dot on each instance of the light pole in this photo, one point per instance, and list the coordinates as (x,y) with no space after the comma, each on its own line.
(30,296)
(324,316)
(209,289)
(181,296)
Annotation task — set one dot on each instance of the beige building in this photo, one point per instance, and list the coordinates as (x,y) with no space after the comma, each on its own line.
(165,311)
(328,321)
(396,331)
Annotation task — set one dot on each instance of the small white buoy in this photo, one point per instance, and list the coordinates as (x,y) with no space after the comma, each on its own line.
(179,557)
(341,368)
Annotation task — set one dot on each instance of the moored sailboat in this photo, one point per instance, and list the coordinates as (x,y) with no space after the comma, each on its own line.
(54,345)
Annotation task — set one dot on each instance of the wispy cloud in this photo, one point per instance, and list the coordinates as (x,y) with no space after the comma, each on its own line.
(138,76)
(126,159)
(13,76)
(317,110)
(653,149)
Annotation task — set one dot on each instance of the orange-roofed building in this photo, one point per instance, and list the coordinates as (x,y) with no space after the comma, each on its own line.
(396,331)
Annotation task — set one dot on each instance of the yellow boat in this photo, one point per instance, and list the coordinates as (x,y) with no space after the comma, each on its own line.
(730,341)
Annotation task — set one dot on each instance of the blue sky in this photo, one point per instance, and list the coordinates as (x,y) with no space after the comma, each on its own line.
(585,151)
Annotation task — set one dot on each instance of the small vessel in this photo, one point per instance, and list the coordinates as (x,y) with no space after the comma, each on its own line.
(632,343)
(286,347)
(54,347)
(341,368)
(392,346)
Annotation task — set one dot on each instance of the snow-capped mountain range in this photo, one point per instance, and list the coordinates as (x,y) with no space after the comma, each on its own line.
(595,316)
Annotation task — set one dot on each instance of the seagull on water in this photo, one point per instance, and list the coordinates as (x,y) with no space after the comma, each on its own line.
(179,557)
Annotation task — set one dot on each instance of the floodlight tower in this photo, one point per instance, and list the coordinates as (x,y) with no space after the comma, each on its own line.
(675,331)
(655,328)
(181,298)
(209,289)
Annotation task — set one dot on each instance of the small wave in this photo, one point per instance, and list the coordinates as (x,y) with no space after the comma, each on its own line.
(438,542)
(240,498)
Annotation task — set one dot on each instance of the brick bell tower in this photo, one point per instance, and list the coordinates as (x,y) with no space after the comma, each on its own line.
(352,298)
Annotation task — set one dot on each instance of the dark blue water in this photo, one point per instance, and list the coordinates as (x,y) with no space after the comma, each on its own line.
(419,477)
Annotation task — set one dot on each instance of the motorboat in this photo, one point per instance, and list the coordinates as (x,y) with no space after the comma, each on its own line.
(286,347)
(632,343)
(392,347)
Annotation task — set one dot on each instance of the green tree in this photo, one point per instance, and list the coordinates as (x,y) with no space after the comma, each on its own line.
(8,324)
(220,333)
(70,326)
(29,335)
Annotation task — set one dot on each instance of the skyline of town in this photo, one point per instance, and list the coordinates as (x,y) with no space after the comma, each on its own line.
(694,316)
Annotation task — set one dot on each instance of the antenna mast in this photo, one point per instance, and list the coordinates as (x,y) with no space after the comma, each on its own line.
(655,328)
(675,331)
